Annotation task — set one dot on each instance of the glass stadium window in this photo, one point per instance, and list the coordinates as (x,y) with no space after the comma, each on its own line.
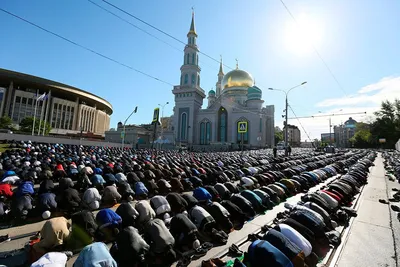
(72,114)
(183,126)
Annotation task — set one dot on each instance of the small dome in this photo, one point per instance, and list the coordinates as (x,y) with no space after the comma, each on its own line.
(211,93)
(254,93)
(350,123)
(237,78)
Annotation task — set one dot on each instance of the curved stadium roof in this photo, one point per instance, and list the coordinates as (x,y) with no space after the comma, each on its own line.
(57,89)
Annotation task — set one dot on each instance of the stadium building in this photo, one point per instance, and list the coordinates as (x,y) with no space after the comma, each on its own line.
(69,110)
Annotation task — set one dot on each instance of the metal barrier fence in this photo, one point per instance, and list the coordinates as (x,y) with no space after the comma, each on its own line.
(57,140)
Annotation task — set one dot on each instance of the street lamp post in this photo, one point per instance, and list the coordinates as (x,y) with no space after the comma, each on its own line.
(162,116)
(123,131)
(286,111)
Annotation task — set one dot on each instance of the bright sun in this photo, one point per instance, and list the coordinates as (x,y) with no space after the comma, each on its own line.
(300,37)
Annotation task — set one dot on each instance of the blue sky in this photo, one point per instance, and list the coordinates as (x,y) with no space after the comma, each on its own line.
(358,40)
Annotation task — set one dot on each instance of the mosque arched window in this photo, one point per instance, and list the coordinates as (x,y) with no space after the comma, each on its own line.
(208,132)
(222,125)
(186,78)
(198,80)
(245,135)
(193,59)
(197,59)
(260,125)
(187,58)
(193,79)
(202,133)
(205,132)
(183,126)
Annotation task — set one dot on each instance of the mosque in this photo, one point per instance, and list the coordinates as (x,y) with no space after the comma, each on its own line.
(236,99)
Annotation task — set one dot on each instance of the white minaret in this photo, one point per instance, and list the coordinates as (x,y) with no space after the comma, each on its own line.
(190,70)
(220,77)
(188,94)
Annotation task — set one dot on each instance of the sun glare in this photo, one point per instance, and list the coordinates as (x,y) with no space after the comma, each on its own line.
(300,37)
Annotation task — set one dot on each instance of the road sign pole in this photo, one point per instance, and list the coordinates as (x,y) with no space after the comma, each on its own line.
(154,135)
(242,137)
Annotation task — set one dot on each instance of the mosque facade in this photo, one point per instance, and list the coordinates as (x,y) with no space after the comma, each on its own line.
(236,99)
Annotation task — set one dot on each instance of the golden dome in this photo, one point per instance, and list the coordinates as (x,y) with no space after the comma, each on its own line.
(237,78)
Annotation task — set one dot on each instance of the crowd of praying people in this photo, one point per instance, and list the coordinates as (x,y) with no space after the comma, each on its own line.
(155,207)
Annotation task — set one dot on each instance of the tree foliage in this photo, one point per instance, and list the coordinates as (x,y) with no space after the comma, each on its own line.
(362,137)
(5,122)
(278,135)
(26,125)
(386,125)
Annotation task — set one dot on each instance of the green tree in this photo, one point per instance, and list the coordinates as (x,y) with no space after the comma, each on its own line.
(387,124)
(362,137)
(278,135)
(5,122)
(26,125)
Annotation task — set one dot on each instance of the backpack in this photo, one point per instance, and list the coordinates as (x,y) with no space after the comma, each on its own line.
(262,253)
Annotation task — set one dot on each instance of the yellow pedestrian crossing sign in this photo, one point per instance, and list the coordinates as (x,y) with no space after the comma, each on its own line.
(242,127)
